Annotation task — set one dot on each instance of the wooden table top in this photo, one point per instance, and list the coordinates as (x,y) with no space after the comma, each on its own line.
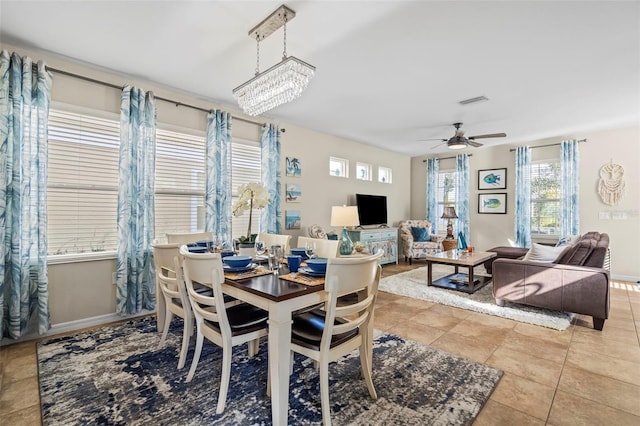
(453,257)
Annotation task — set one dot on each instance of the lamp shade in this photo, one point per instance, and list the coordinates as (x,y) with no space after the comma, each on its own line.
(344,216)
(449,213)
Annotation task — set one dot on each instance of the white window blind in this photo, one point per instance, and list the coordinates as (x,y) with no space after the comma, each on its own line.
(82,191)
(82,187)
(180,182)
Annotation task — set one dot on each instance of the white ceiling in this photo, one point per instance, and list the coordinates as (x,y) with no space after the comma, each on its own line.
(388,72)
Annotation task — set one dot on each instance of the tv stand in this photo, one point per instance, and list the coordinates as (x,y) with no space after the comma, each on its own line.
(385,239)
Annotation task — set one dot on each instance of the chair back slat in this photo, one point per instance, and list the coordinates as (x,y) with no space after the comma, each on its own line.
(276,239)
(347,275)
(205,269)
(188,237)
(324,248)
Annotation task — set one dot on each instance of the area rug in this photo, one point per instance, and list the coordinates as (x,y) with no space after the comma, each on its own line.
(414,284)
(116,375)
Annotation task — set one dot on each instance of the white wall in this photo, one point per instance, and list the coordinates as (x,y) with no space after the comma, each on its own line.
(82,290)
(622,146)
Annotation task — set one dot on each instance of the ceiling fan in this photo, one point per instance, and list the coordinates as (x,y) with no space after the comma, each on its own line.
(459,141)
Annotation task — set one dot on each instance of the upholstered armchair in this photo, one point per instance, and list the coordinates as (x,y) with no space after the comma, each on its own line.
(425,243)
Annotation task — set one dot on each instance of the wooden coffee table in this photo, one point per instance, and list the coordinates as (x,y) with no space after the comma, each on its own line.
(457,259)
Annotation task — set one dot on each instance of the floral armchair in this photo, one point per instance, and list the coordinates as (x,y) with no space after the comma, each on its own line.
(414,249)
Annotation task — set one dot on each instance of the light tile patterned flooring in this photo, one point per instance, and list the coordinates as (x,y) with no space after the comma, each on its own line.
(578,376)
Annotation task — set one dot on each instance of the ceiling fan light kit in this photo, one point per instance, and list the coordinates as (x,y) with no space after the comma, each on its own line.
(281,83)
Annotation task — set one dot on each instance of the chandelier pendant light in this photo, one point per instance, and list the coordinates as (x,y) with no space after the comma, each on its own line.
(279,84)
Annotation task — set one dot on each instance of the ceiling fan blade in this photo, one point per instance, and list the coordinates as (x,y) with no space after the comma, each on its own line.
(489,135)
(431,139)
(475,144)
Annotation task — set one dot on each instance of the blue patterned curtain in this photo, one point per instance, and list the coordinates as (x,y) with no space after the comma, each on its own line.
(569,189)
(136,202)
(25,96)
(270,219)
(218,189)
(433,168)
(523,197)
(462,189)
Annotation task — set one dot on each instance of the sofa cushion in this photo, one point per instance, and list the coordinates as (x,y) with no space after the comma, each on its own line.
(420,234)
(542,253)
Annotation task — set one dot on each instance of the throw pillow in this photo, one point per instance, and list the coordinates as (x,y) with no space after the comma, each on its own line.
(541,253)
(420,234)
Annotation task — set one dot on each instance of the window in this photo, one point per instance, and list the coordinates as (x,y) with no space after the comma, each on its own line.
(245,167)
(384,174)
(180,182)
(545,198)
(82,187)
(82,191)
(363,171)
(447,195)
(338,167)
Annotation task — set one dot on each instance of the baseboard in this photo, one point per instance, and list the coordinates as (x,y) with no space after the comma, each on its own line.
(625,278)
(66,327)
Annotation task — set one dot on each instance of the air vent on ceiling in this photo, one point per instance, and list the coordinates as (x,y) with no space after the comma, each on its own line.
(473,100)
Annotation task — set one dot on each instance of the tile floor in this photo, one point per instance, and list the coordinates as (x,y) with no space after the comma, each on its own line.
(575,377)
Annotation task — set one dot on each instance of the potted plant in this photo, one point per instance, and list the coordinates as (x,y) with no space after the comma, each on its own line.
(251,196)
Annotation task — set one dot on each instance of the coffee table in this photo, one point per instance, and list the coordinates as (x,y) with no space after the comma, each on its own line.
(457,259)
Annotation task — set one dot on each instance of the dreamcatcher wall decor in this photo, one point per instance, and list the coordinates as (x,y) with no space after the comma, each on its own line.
(611,185)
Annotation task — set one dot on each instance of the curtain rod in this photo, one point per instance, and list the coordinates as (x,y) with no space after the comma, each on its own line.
(551,144)
(171,101)
(447,158)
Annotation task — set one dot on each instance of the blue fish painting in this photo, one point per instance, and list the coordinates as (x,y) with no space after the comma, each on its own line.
(491,203)
(492,179)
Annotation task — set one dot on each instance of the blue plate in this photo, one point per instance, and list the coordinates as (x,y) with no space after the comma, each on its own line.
(249,267)
(311,272)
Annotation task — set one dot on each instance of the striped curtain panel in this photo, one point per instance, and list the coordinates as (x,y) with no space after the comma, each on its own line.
(218,187)
(569,188)
(270,145)
(433,168)
(522,227)
(462,189)
(135,283)
(25,95)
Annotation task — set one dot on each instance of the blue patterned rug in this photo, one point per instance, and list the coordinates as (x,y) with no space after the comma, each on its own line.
(116,375)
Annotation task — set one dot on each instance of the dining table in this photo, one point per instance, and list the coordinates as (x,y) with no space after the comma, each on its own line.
(280,297)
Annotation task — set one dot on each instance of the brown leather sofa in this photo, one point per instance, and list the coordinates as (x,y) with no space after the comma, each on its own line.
(576,282)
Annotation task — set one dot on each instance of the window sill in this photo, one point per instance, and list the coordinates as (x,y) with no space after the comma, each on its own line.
(58,259)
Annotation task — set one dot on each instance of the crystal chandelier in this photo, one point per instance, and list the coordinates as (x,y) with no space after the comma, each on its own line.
(282,82)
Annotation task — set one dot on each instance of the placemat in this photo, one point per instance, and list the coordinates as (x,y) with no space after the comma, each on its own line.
(235,276)
(299,278)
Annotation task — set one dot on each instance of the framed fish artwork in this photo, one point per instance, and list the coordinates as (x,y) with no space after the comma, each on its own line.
(492,179)
(492,203)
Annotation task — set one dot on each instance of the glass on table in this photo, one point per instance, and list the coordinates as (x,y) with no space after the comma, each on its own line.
(276,254)
(310,249)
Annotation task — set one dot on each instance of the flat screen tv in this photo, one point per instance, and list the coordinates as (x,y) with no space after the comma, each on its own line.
(372,209)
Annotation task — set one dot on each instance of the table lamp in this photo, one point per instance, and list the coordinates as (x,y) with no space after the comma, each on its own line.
(345,216)
(449,213)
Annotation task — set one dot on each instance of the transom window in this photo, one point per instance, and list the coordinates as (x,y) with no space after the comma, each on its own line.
(338,167)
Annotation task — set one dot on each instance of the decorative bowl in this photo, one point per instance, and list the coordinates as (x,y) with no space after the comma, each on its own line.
(237,261)
(319,264)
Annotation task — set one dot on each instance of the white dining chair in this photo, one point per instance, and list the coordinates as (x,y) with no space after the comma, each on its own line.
(174,294)
(276,239)
(224,326)
(188,237)
(326,335)
(324,248)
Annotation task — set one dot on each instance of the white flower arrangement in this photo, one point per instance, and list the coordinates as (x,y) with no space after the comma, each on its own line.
(251,196)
